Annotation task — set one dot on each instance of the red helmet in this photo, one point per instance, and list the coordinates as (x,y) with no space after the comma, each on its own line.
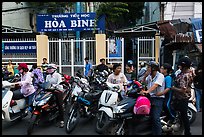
(22,66)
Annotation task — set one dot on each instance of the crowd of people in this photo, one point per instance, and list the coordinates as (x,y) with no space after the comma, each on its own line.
(162,84)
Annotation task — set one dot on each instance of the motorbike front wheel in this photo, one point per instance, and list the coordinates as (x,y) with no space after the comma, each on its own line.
(191,115)
(72,120)
(116,129)
(32,123)
(102,122)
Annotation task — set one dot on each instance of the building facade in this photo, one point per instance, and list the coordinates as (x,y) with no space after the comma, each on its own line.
(16,15)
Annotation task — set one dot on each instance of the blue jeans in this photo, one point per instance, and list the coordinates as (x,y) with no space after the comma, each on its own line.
(30,99)
(198,98)
(155,112)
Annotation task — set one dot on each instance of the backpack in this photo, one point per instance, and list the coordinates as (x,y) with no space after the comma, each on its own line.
(142,106)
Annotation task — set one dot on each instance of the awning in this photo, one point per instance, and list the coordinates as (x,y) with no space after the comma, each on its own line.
(167,30)
(181,30)
(8,29)
(144,29)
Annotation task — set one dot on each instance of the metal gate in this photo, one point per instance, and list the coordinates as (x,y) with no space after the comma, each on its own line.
(145,48)
(69,54)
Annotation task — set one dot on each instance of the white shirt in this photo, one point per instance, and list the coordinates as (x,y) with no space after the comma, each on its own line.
(117,79)
(55,79)
(158,79)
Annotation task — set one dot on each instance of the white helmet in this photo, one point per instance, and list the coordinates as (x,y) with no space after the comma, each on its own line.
(51,68)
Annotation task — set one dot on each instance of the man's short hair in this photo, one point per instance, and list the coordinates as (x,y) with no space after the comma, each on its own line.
(44,58)
(102,59)
(86,58)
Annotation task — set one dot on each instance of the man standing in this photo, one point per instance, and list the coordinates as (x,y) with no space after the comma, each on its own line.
(88,67)
(44,67)
(155,84)
(182,91)
(102,66)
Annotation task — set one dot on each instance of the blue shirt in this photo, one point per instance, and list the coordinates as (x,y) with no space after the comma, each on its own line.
(168,82)
(88,67)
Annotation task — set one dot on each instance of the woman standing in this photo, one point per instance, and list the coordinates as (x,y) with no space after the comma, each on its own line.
(10,68)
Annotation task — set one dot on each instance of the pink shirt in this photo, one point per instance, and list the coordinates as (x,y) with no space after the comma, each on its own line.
(26,84)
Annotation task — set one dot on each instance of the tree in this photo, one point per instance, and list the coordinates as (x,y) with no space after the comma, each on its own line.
(50,7)
(120,14)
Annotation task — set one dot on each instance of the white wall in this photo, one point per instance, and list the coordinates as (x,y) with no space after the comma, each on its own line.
(198,10)
(18,18)
(182,10)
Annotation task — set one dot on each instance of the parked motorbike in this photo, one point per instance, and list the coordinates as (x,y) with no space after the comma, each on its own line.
(12,109)
(44,105)
(97,79)
(107,102)
(85,102)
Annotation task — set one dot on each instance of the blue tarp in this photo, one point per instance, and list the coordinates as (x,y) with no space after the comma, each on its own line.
(197,29)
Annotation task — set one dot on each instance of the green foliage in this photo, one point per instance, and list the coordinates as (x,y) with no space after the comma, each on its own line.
(50,7)
(120,14)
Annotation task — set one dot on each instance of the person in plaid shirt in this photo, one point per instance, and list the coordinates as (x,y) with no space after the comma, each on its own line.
(182,91)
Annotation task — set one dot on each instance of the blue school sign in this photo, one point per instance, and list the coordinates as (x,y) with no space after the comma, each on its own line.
(19,47)
(69,22)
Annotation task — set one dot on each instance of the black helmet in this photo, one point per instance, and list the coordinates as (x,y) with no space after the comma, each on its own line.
(154,66)
(185,62)
(130,63)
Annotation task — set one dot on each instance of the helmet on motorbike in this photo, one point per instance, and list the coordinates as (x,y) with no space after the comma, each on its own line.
(154,66)
(51,68)
(184,62)
(23,66)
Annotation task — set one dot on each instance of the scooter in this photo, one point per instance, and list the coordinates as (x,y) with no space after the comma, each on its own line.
(12,109)
(108,100)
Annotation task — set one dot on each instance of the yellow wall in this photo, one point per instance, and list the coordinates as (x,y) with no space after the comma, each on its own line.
(157,47)
(100,47)
(42,48)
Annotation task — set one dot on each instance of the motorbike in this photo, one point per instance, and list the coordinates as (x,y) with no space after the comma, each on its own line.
(107,102)
(85,102)
(97,79)
(44,105)
(121,120)
(191,108)
(12,109)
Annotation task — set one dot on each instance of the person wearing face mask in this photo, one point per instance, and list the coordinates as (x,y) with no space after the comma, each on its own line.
(55,78)
(27,89)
